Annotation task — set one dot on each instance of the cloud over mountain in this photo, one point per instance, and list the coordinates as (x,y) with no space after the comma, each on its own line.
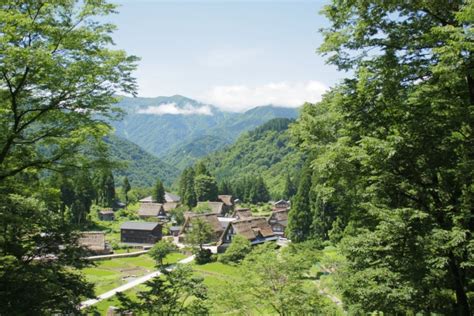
(174,109)
(238,98)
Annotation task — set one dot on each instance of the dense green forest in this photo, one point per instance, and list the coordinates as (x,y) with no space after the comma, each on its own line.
(141,167)
(265,151)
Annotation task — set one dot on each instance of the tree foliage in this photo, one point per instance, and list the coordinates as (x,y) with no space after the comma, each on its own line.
(160,250)
(58,77)
(237,250)
(175,292)
(159,192)
(393,153)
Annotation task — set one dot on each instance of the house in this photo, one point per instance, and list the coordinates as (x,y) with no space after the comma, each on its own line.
(282,204)
(256,230)
(169,198)
(214,207)
(174,230)
(106,214)
(225,221)
(94,241)
(242,213)
(278,220)
(210,218)
(152,210)
(140,232)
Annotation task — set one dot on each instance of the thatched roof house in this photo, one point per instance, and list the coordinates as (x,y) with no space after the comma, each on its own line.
(278,220)
(256,230)
(210,218)
(214,207)
(242,213)
(152,210)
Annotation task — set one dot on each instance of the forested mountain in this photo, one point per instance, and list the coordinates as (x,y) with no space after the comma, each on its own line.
(141,167)
(182,130)
(264,151)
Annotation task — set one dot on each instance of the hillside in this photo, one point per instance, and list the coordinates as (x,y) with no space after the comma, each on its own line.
(264,151)
(170,126)
(142,168)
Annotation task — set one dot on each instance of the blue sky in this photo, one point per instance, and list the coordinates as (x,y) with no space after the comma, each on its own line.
(233,54)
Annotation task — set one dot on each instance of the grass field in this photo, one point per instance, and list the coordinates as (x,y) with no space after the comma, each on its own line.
(109,274)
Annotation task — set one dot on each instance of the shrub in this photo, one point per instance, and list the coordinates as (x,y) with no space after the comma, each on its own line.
(237,250)
(203,256)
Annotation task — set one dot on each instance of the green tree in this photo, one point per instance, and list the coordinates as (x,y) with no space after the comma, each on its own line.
(300,216)
(289,190)
(237,250)
(402,140)
(126,188)
(201,169)
(205,188)
(199,233)
(105,188)
(159,192)
(59,75)
(160,250)
(175,292)
(186,187)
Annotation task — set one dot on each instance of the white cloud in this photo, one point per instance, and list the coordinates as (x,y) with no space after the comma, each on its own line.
(172,108)
(237,98)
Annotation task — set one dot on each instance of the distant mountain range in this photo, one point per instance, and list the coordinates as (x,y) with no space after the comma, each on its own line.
(180,130)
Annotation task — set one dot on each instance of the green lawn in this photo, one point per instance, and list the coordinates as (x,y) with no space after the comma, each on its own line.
(109,274)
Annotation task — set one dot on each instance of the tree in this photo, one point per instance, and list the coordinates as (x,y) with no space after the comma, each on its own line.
(200,233)
(186,187)
(399,140)
(160,250)
(175,292)
(159,192)
(273,284)
(237,250)
(201,169)
(205,188)
(289,190)
(126,188)
(105,188)
(59,76)
(300,216)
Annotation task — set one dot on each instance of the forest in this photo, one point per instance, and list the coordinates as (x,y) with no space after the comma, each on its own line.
(379,172)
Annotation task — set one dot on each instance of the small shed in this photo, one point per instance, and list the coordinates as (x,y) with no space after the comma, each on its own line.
(174,230)
(106,214)
(94,241)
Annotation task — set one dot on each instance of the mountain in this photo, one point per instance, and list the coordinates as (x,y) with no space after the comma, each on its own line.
(141,168)
(264,151)
(181,130)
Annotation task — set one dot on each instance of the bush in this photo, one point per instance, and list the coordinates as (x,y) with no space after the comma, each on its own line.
(203,256)
(237,250)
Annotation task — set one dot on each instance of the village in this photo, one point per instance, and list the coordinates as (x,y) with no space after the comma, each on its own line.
(225,217)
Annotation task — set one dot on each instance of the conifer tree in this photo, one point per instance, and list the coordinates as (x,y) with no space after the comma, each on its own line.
(159,192)
(300,216)
(126,188)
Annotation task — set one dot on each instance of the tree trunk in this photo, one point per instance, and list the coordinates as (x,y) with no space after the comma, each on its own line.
(462,304)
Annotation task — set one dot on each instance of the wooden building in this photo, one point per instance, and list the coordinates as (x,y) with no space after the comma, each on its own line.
(281,205)
(106,214)
(278,220)
(242,213)
(152,210)
(256,230)
(140,232)
(94,241)
(211,218)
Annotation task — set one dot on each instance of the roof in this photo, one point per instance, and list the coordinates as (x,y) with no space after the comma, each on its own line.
(150,209)
(253,228)
(139,225)
(225,221)
(170,197)
(106,211)
(175,228)
(226,199)
(242,213)
(281,202)
(211,218)
(168,206)
(147,199)
(216,207)
(280,215)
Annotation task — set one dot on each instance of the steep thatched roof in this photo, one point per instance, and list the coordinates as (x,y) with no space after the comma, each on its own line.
(242,213)
(150,209)
(215,207)
(226,199)
(252,228)
(210,218)
(280,215)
